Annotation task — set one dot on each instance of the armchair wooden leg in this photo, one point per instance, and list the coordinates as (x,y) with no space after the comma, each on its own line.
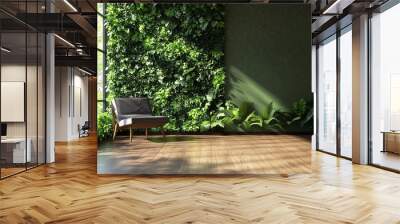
(146,132)
(115,131)
(162,132)
(130,133)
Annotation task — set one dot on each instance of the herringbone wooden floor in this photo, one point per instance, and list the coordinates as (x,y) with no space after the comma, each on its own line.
(70,191)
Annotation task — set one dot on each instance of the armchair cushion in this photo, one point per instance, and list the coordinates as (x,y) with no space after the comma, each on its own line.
(142,120)
(136,111)
(131,105)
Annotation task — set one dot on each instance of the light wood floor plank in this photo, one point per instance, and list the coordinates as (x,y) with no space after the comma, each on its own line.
(70,191)
(234,154)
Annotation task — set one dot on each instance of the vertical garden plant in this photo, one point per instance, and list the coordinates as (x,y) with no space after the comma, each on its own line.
(170,53)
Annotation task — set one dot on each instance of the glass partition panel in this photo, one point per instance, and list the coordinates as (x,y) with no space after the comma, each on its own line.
(327,95)
(22,67)
(385,89)
(15,151)
(346,93)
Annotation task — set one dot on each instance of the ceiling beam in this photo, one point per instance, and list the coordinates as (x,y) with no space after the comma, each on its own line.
(83,23)
(79,61)
(76,16)
(337,7)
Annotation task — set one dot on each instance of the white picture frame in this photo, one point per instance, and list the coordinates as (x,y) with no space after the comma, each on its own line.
(12,101)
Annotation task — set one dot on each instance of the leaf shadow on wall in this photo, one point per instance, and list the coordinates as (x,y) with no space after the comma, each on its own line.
(244,89)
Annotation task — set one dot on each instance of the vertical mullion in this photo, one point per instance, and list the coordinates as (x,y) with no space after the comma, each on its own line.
(37,90)
(69,95)
(26,86)
(317,96)
(45,95)
(369,91)
(104,57)
(69,91)
(60,88)
(46,3)
(73,91)
(338,98)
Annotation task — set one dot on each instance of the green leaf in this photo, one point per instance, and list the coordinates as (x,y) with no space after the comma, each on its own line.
(245,109)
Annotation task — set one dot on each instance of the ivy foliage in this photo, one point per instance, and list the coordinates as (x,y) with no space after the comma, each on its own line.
(170,53)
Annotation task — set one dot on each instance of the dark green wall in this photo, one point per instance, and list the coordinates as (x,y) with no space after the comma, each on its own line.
(268,54)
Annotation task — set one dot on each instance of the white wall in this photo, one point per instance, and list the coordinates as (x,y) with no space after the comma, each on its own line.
(80,110)
(71,102)
(61,103)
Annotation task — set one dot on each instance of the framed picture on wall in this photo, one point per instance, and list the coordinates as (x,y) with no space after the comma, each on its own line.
(13,101)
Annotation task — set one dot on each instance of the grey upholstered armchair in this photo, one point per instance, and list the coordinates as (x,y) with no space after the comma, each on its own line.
(131,112)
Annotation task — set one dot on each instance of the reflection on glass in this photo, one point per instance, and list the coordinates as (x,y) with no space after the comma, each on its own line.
(327,96)
(385,89)
(346,94)
(15,150)
(22,91)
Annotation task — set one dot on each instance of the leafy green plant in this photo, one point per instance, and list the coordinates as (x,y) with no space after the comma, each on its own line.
(104,126)
(244,118)
(300,117)
(171,53)
(245,110)
(251,121)
(268,119)
(230,116)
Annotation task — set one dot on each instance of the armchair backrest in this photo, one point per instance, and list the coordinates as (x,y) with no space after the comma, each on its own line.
(131,105)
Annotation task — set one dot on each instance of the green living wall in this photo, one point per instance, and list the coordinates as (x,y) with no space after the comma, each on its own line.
(172,54)
(193,61)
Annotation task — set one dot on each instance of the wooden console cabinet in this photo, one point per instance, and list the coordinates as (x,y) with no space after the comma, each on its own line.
(391,142)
